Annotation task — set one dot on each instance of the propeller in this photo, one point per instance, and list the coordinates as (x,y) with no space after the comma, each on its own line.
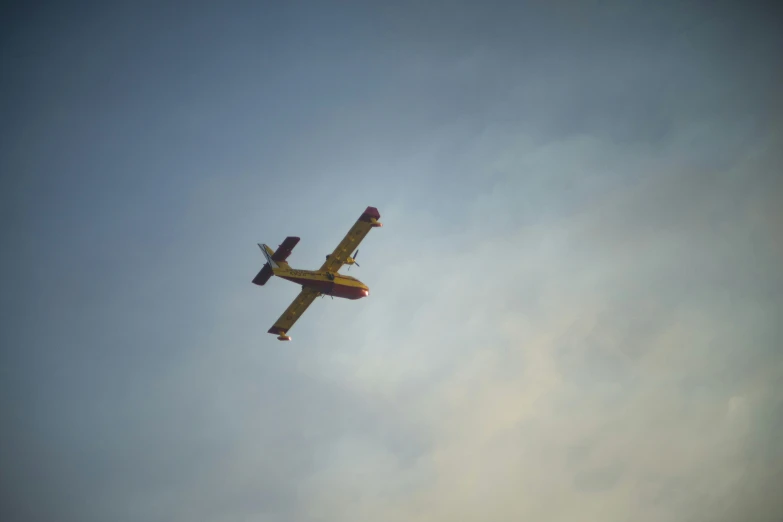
(354,260)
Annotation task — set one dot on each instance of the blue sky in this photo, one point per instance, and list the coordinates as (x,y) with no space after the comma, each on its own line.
(575,299)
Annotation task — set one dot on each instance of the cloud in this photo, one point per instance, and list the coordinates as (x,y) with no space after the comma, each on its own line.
(613,361)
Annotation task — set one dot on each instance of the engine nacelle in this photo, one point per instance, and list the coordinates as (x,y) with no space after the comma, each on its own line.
(283,337)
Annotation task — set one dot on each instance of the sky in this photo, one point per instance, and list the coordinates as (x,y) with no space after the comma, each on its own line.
(575,301)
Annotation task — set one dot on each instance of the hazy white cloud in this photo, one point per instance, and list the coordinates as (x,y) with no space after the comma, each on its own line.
(596,365)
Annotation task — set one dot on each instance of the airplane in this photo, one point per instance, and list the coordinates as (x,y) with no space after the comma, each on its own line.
(321,282)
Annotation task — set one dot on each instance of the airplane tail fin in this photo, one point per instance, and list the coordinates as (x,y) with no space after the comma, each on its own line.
(275,261)
(268,270)
(268,253)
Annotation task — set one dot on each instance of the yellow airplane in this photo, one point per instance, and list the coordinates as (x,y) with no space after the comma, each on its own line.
(321,282)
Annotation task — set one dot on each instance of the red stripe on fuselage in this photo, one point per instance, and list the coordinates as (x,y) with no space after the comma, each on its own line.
(333,288)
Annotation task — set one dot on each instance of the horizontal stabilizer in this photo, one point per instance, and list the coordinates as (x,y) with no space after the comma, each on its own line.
(263,276)
(285,248)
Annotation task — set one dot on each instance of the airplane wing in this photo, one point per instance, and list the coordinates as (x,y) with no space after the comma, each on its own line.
(350,242)
(294,311)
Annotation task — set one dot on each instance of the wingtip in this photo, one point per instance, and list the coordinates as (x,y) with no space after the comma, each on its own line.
(370,213)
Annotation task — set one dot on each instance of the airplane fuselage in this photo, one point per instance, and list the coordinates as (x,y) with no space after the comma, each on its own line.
(335,285)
